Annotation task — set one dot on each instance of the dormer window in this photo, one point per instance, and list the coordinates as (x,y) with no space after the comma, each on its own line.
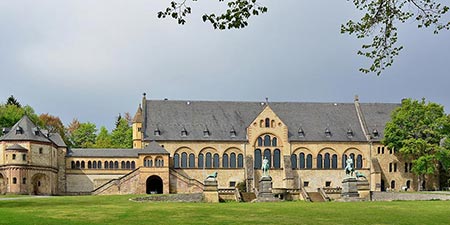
(36,131)
(19,130)
(184,132)
(327,132)
(349,132)
(206,132)
(232,132)
(301,133)
(375,133)
(157,132)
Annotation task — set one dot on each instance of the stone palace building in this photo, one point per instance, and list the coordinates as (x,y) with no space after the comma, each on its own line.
(176,144)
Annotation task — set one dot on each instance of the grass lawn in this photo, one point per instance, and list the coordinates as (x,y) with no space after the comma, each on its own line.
(119,210)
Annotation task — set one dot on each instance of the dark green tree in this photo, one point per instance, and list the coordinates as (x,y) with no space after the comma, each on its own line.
(13,101)
(416,131)
(103,139)
(83,135)
(379,22)
(122,136)
(10,114)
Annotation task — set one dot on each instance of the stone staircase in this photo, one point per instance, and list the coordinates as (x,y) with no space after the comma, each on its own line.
(113,186)
(195,185)
(316,197)
(247,196)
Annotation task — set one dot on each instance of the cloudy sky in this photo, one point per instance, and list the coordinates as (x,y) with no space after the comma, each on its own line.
(93,59)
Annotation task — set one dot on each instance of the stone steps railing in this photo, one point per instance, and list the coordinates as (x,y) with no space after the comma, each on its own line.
(115,181)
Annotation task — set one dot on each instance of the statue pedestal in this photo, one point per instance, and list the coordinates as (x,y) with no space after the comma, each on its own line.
(350,188)
(210,191)
(265,190)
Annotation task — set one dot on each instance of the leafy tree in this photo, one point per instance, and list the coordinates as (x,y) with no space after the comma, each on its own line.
(380,21)
(103,139)
(82,135)
(11,114)
(122,136)
(415,131)
(13,101)
(53,124)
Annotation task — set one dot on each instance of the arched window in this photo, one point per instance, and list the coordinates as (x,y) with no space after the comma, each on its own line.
(133,165)
(106,165)
(94,164)
(408,184)
(111,164)
(216,160)
(72,165)
(183,160)
(334,161)
(344,161)
(393,184)
(122,165)
(260,141)
(176,160)
(268,156)
(233,160)
(294,161)
(208,160)
(267,122)
(319,161)
(258,158)
(352,156)
(267,140)
(240,160)
(274,142)
(82,164)
(191,160)
(309,161)
(359,162)
(302,160)
(128,165)
(14,180)
(276,158)
(225,161)
(200,163)
(326,161)
(99,164)
(116,165)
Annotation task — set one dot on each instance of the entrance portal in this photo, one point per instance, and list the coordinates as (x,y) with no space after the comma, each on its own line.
(154,185)
(41,184)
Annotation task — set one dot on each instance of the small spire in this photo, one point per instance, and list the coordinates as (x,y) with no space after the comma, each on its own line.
(267,100)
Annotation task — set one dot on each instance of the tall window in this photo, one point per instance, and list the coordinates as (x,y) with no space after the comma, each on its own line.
(267,122)
(319,161)
(191,160)
(240,161)
(359,162)
(274,141)
(225,161)
(176,160)
(208,160)
(334,161)
(233,160)
(309,161)
(216,160)
(200,163)
(183,160)
(302,160)
(326,161)
(260,141)
(294,161)
(344,160)
(267,140)
(268,156)
(258,159)
(276,158)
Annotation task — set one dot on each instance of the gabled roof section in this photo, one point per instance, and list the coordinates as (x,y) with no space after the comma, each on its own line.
(97,152)
(16,147)
(25,130)
(153,148)
(376,116)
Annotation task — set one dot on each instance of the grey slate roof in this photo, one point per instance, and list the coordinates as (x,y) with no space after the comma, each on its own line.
(219,117)
(57,139)
(377,115)
(27,133)
(152,148)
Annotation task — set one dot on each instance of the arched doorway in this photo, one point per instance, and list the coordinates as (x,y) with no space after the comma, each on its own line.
(41,184)
(154,185)
(2,185)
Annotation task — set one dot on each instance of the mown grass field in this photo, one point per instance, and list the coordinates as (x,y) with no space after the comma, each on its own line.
(119,210)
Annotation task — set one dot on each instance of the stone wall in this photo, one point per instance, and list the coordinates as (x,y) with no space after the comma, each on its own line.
(396,196)
(79,183)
